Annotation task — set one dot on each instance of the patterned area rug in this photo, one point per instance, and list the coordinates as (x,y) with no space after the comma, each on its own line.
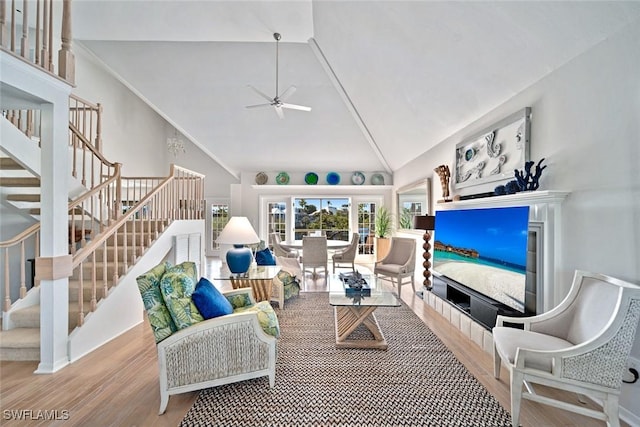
(416,382)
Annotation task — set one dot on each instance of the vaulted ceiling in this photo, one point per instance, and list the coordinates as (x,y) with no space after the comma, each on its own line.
(386,80)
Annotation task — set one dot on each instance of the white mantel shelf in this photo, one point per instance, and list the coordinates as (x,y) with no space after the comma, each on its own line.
(319,186)
(523,198)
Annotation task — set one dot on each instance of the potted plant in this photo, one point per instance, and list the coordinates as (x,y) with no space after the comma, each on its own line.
(383,222)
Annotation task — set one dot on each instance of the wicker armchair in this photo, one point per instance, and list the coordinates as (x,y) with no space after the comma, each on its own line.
(580,346)
(205,354)
(279,250)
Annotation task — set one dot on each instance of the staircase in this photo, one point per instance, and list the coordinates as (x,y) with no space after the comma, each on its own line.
(104,242)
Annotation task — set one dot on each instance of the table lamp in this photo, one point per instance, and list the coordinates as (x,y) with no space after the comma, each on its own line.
(238,232)
(427,223)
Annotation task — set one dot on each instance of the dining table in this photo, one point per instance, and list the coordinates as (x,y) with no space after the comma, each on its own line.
(332,245)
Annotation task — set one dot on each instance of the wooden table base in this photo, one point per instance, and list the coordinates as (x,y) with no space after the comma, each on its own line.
(348,318)
(261,287)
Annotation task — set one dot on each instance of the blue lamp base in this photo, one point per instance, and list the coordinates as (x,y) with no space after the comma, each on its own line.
(239,259)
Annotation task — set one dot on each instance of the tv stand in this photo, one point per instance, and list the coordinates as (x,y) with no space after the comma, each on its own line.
(479,307)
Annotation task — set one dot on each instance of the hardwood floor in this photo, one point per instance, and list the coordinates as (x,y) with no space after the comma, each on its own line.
(117,385)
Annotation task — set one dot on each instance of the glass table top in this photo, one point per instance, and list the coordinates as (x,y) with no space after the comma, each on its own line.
(260,272)
(341,295)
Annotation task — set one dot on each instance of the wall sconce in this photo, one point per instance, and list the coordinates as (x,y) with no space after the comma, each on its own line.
(427,223)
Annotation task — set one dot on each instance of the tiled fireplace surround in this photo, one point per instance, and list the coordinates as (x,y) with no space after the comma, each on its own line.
(544,221)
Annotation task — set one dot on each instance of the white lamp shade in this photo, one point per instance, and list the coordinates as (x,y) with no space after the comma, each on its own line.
(238,231)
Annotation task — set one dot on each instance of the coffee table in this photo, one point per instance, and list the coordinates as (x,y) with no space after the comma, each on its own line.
(258,278)
(352,311)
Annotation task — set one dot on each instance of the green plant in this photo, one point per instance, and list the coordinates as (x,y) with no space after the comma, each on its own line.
(406,219)
(383,222)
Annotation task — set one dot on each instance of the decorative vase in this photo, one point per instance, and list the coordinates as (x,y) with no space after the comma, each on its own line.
(239,259)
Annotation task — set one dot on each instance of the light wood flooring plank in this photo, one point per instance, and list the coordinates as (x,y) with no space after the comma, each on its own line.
(117,385)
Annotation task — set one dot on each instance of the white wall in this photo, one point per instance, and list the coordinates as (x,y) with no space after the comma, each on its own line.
(585,122)
(135,135)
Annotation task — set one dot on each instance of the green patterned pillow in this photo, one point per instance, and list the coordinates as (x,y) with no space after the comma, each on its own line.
(239,301)
(176,288)
(266,316)
(159,317)
(187,267)
(290,283)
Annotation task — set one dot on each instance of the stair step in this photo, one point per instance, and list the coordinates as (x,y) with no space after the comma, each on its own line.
(19,182)
(31,198)
(87,269)
(7,163)
(111,253)
(29,317)
(20,344)
(86,290)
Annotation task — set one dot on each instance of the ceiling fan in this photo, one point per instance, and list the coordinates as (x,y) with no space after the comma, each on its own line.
(278,101)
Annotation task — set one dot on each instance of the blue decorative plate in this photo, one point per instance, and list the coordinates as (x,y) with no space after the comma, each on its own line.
(377,179)
(357,178)
(282,178)
(333,178)
(311,178)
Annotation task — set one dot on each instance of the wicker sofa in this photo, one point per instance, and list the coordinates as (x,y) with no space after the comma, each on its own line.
(206,353)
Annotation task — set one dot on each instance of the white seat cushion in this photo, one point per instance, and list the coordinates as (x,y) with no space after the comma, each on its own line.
(390,268)
(508,340)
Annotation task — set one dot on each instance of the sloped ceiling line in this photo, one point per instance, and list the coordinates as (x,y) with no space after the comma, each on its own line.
(315,48)
(136,92)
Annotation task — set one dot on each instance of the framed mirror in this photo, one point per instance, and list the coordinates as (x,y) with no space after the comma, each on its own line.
(413,199)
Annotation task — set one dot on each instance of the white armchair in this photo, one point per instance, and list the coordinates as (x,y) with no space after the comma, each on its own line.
(580,346)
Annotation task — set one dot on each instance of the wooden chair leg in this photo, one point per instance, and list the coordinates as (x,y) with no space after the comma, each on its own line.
(516,396)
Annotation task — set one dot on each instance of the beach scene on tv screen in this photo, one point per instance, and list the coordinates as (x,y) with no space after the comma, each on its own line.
(486,250)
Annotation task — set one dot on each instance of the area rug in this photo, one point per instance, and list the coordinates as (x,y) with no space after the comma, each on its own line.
(416,382)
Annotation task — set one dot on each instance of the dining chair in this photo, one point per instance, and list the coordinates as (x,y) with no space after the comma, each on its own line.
(314,255)
(279,250)
(580,346)
(348,255)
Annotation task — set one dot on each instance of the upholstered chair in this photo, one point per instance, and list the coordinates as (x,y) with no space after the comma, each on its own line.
(314,255)
(399,264)
(348,255)
(279,250)
(195,336)
(286,284)
(580,346)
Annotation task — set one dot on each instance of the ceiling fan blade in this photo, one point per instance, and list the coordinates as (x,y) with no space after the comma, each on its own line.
(296,107)
(268,98)
(258,106)
(279,112)
(287,93)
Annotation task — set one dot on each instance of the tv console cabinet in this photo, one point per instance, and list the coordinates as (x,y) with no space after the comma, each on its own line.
(480,308)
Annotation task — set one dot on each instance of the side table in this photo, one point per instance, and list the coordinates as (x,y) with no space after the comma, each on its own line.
(258,278)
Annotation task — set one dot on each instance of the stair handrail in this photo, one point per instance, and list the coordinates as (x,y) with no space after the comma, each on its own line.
(91,123)
(142,224)
(85,145)
(24,237)
(43,45)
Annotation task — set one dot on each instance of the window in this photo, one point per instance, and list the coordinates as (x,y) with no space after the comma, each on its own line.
(329,216)
(277,218)
(366,227)
(217,218)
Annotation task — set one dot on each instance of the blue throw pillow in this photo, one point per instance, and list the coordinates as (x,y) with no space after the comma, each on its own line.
(265,257)
(209,301)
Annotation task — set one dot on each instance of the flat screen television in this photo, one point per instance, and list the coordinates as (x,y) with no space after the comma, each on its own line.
(485,250)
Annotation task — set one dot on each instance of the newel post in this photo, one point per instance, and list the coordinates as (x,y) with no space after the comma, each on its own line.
(66,60)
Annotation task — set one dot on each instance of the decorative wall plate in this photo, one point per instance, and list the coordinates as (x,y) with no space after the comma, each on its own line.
(261,178)
(282,178)
(333,178)
(357,178)
(377,179)
(311,178)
